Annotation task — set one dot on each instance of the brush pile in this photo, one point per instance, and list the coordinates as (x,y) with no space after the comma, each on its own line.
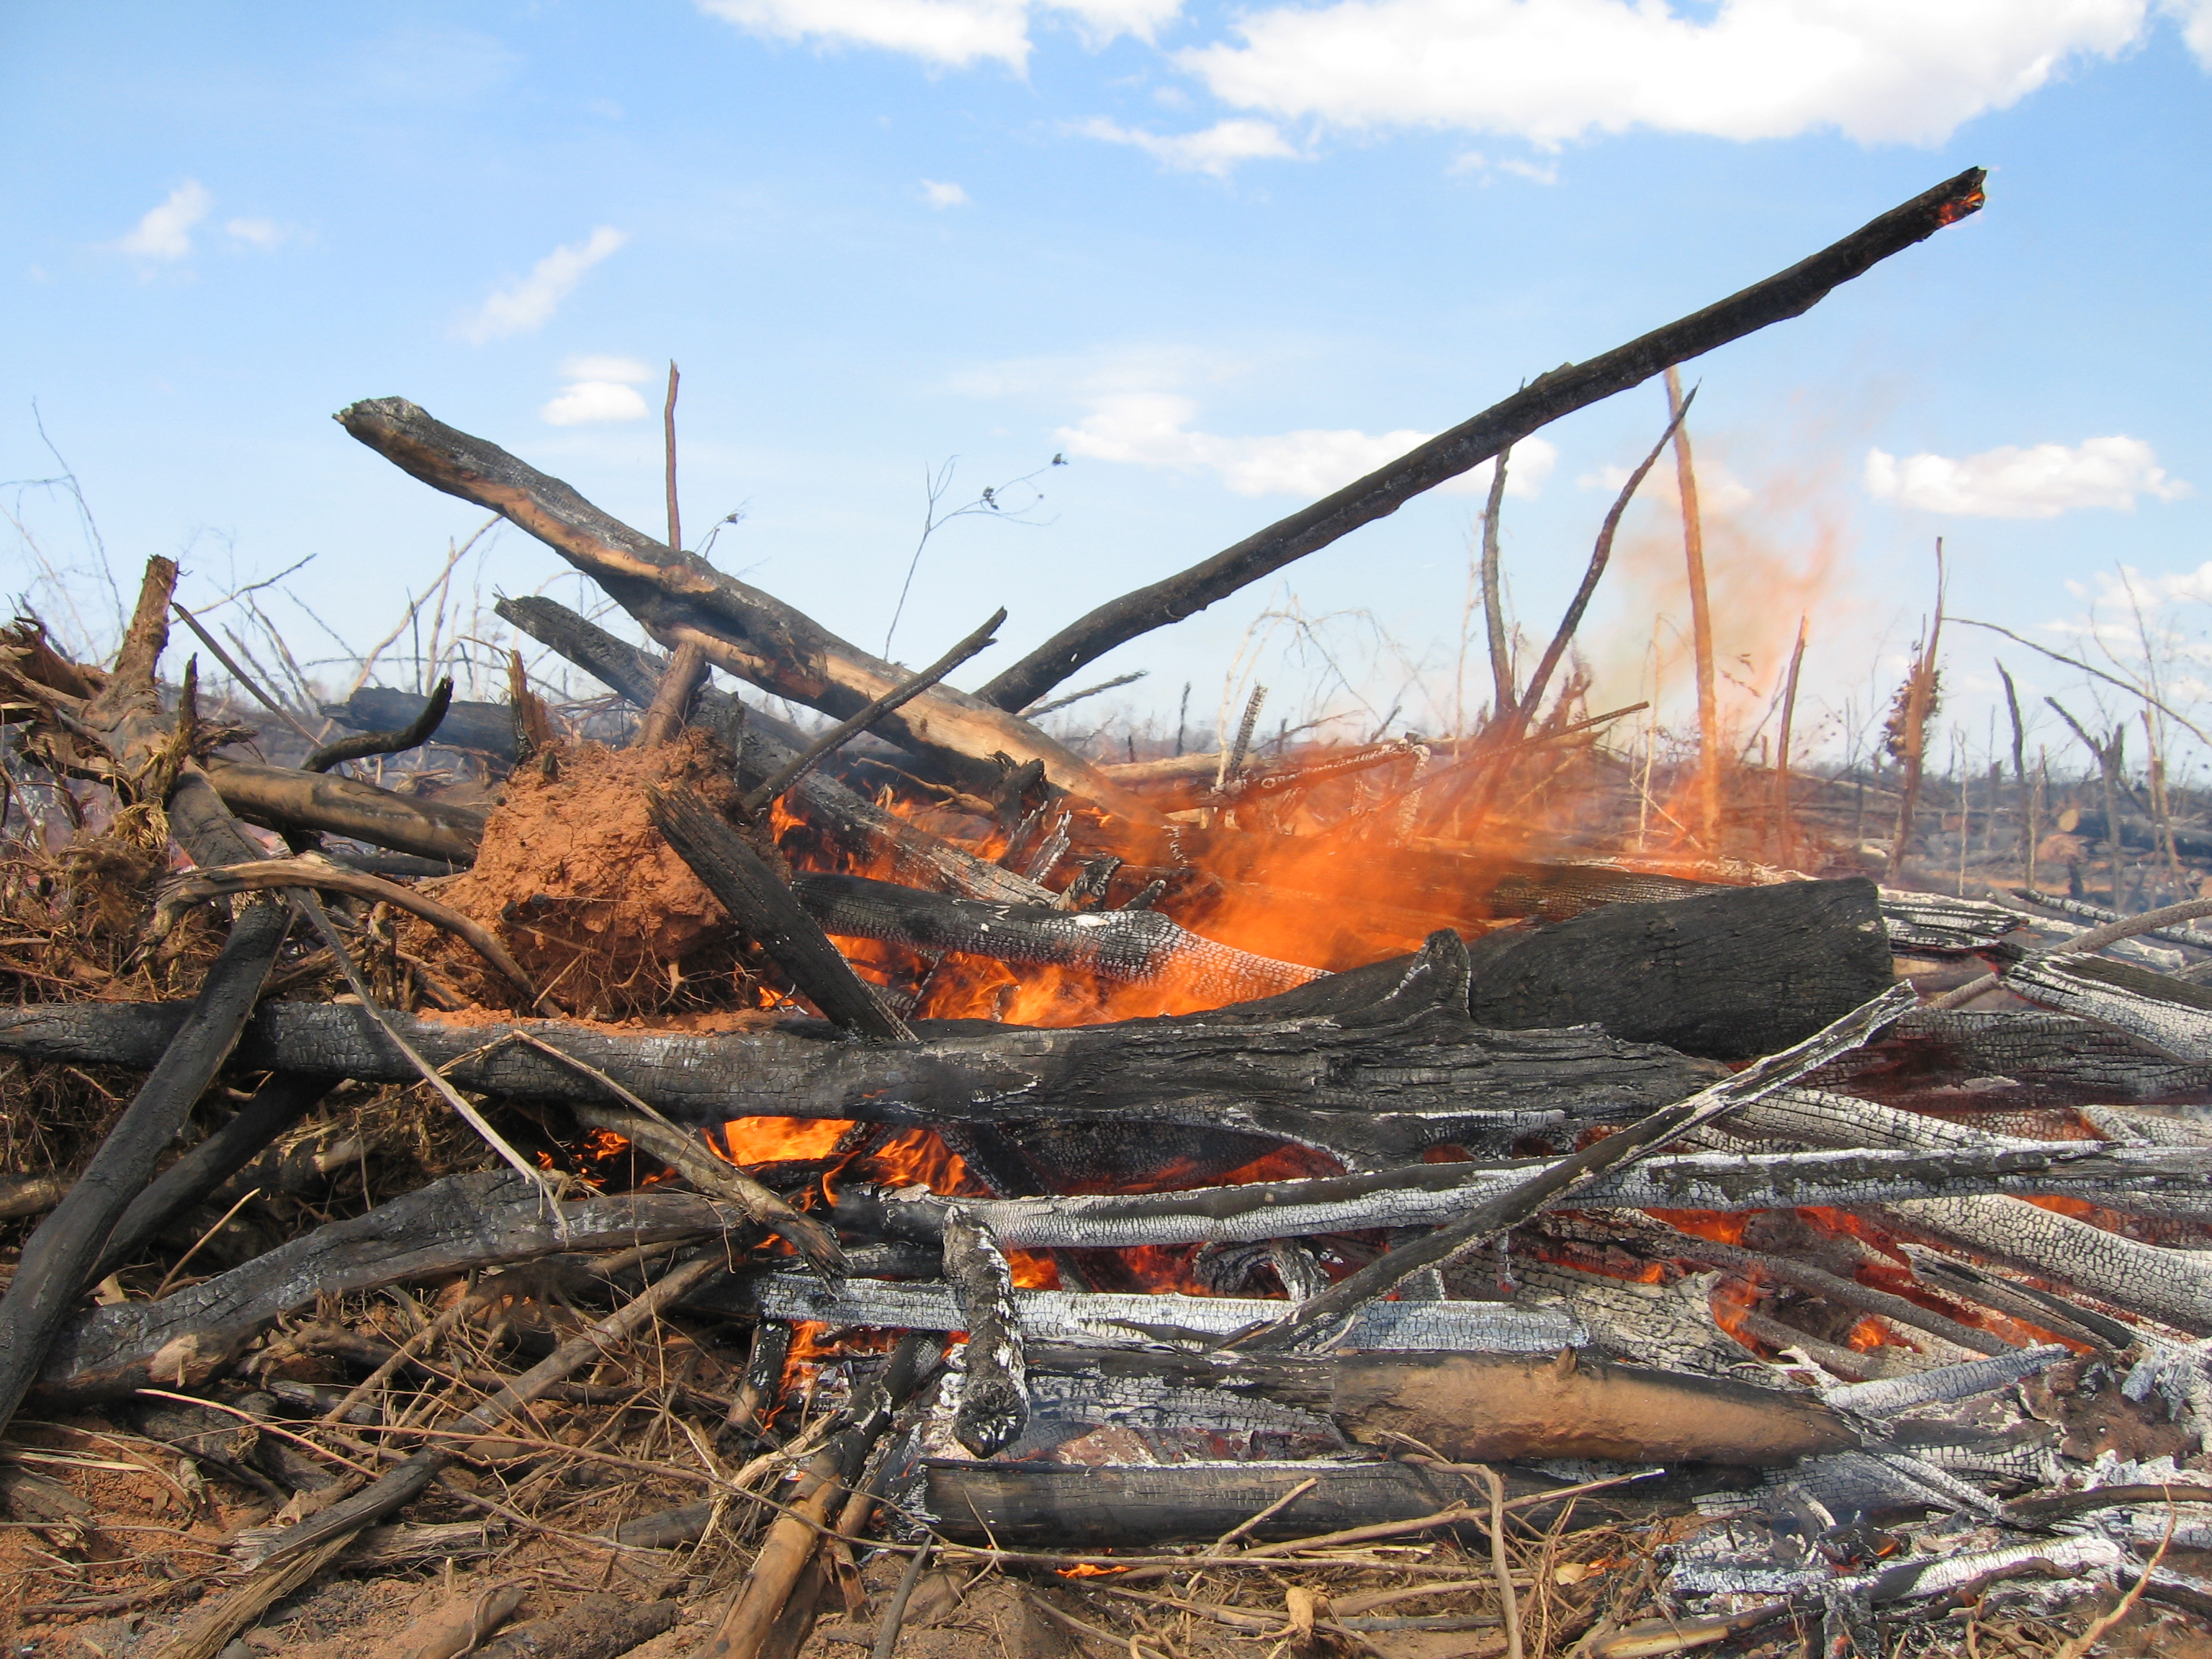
(685,1184)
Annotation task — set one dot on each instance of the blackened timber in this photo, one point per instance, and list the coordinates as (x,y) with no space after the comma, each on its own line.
(1545,399)
(275,1107)
(680,598)
(994,1401)
(1731,974)
(412,734)
(2006,1059)
(452,1225)
(1377,1085)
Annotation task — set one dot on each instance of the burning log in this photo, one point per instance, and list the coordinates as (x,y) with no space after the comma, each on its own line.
(763,1379)
(2174,1285)
(679,597)
(1376,1088)
(451,1225)
(1108,1318)
(993,1392)
(1126,946)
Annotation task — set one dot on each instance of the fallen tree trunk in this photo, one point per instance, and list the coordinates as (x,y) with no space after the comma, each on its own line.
(1543,400)
(1378,1087)
(450,1226)
(681,598)
(279,797)
(1732,973)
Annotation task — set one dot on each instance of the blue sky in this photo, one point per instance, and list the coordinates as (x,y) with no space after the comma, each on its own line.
(1222,259)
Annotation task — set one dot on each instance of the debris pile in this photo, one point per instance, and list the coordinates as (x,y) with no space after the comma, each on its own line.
(707,1186)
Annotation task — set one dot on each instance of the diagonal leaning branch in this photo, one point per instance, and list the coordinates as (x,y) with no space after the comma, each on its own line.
(1788,293)
(680,598)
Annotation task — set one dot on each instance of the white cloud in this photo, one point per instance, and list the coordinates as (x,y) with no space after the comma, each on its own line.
(2038,483)
(942,196)
(951,33)
(2195,17)
(1152,429)
(591,401)
(263,233)
(1216,149)
(166,232)
(606,368)
(521,307)
(1551,70)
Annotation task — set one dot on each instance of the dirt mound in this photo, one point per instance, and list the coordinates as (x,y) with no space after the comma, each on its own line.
(594,903)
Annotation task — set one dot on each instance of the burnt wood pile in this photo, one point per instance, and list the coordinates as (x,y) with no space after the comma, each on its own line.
(1284,1182)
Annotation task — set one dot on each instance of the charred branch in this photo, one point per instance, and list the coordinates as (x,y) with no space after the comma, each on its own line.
(1574,386)
(679,597)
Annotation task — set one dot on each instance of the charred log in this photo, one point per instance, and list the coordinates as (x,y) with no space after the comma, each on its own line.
(2014,1058)
(994,1400)
(450,1226)
(680,597)
(2166,1181)
(1731,975)
(1378,1087)
(1108,1318)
